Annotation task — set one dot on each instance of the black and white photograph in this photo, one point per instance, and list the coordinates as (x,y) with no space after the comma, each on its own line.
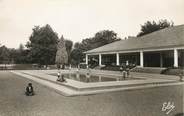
(91,57)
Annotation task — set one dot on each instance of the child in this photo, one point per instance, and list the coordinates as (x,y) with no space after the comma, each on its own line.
(29,90)
(58,75)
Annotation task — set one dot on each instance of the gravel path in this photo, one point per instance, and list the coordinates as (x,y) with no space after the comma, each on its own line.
(46,102)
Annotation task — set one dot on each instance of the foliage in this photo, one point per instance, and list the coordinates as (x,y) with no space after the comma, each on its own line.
(151,26)
(69,45)
(101,38)
(76,56)
(42,45)
(4,54)
(61,54)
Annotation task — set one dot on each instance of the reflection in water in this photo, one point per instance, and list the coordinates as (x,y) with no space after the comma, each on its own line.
(100,78)
(88,77)
(70,75)
(78,76)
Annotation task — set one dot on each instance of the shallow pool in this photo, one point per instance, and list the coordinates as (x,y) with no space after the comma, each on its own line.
(89,78)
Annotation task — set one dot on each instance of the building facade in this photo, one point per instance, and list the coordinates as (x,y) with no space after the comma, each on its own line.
(163,48)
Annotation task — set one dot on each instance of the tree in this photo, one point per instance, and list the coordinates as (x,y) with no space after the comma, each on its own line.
(4,55)
(61,54)
(101,38)
(151,26)
(42,45)
(21,48)
(69,45)
(105,37)
(76,54)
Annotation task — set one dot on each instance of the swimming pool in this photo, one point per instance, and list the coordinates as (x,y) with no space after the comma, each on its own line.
(90,78)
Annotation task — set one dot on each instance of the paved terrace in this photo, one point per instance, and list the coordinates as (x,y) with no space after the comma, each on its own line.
(72,87)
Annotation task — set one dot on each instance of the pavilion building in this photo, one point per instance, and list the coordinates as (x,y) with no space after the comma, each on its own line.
(163,48)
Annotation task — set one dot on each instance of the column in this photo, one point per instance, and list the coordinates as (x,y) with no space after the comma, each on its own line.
(100,59)
(161,60)
(141,59)
(117,59)
(86,59)
(175,58)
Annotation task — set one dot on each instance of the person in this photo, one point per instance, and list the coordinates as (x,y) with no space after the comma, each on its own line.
(87,77)
(58,75)
(88,74)
(29,90)
(121,72)
(181,76)
(121,69)
(124,71)
(128,71)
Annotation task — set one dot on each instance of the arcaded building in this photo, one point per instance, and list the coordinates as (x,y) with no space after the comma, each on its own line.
(163,48)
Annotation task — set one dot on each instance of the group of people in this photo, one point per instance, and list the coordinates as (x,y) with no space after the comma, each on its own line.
(29,91)
(124,70)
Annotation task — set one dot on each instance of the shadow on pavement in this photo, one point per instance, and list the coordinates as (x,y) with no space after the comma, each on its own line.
(179,114)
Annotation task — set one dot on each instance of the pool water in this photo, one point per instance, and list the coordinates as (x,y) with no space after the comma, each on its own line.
(87,78)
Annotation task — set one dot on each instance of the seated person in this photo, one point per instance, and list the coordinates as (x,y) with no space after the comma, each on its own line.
(58,75)
(29,90)
(61,78)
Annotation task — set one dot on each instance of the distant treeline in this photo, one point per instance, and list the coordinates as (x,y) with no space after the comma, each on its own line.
(42,45)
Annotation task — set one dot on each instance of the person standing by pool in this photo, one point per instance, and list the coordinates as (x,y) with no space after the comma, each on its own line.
(88,74)
(87,77)
(124,71)
(121,71)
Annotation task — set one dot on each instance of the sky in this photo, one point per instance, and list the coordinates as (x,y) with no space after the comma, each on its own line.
(80,19)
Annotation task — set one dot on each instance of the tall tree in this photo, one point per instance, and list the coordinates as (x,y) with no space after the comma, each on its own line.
(43,45)
(61,54)
(69,45)
(151,26)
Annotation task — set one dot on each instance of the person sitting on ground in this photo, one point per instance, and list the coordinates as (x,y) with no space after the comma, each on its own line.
(58,75)
(62,79)
(29,90)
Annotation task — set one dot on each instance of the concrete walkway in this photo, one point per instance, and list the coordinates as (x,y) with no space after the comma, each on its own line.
(72,87)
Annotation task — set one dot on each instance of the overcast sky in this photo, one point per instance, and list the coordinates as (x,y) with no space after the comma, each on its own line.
(80,19)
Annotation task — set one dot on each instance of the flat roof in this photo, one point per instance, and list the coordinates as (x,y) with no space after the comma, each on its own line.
(164,38)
